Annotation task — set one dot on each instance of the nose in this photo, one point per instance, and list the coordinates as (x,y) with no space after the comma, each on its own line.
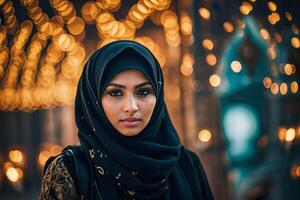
(130,104)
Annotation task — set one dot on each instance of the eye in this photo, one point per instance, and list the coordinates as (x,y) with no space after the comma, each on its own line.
(143,92)
(115,93)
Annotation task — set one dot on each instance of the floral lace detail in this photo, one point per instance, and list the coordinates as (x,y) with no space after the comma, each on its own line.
(57,182)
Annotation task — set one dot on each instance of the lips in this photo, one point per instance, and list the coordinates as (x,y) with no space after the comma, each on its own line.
(131,122)
(130,119)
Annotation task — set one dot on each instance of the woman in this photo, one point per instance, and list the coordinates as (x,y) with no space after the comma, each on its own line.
(129,144)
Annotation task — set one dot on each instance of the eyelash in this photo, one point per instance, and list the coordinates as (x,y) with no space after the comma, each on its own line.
(140,92)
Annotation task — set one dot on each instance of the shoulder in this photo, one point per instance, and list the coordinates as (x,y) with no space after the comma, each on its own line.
(197,171)
(57,182)
(192,156)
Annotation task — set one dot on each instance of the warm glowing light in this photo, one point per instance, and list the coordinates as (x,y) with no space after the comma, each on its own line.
(290,135)
(204,13)
(236,66)
(281,134)
(186,69)
(208,44)
(20,172)
(66,42)
(187,64)
(76,27)
(228,27)
(295,42)
(295,171)
(246,8)
(274,88)
(288,16)
(294,87)
(211,59)
(273,18)
(43,157)
(267,82)
(188,59)
(171,28)
(12,174)
(283,88)
(89,11)
(15,156)
(264,34)
(272,6)
(205,135)
(215,80)
(186,25)
(289,69)
(271,53)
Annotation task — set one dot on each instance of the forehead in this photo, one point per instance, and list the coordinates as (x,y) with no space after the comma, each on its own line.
(129,76)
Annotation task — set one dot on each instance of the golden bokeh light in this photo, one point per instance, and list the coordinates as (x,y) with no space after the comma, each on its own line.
(289,69)
(208,44)
(267,82)
(12,174)
(294,87)
(215,80)
(236,66)
(76,26)
(205,135)
(43,73)
(169,20)
(89,12)
(272,6)
(295,171)
(204,13)
(211,59)
(271,53)
(186,24)
(228,27)
(43,157)
(282,134)
(283,88)
(290,135)
(188,59)
(273,18)
(16,156)
(274,88)
(264,34)
(295,42)
(186,69)
(246,8)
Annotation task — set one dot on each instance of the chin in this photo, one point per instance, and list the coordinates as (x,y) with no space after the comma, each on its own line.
(131,132)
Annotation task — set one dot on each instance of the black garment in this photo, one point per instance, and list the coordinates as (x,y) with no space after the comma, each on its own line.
(150,165)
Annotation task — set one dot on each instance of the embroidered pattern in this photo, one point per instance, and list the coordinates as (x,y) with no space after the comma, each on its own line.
(57,182)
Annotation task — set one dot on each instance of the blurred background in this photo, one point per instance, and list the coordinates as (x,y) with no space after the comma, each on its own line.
(231,74)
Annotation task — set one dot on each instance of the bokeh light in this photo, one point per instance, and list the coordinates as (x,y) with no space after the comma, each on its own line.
(205,135)
(215,80)
(236,66)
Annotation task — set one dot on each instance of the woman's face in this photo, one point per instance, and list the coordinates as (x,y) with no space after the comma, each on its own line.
(128,102)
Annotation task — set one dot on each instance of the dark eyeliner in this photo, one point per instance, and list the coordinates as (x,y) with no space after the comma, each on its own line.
(113,92)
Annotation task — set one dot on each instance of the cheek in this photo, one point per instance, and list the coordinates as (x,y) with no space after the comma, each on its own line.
(111,109)
(148,107)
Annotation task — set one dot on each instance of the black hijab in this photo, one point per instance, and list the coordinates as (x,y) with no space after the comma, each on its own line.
(145,166)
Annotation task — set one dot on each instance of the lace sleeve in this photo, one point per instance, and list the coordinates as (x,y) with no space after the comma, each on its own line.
(57,182)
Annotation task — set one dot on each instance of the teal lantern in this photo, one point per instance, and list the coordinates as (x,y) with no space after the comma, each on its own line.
(241,127)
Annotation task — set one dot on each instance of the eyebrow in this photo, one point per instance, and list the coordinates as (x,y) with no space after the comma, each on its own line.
(122,86)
